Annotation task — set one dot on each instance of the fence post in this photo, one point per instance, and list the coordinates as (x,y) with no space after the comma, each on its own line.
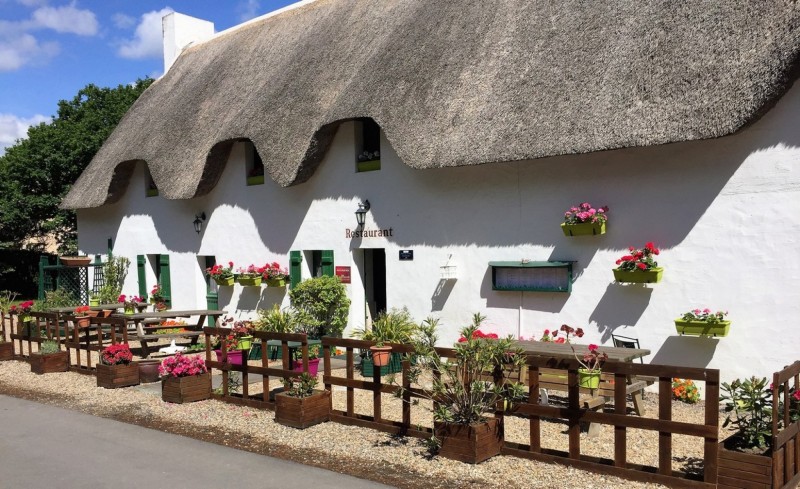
(43,261)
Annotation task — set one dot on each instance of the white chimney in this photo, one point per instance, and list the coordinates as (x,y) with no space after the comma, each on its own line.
(179,31)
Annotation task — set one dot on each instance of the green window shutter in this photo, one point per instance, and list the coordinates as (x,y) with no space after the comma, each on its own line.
(295,260)
(163,278)
(327,263)
(212,296)
(141,260)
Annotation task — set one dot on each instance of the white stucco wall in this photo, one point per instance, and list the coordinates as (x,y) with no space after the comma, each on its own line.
(724,213)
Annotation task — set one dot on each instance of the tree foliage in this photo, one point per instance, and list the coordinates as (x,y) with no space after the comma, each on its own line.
(38,171)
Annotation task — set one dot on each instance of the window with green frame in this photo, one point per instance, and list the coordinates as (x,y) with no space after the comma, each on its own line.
(368,145)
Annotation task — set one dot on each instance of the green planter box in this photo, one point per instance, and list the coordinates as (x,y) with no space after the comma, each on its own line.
(256,180)
(276,282)
(368,165)
(587,379)
(702,328)
(651,276)
(249,282)
(395,365)
(584,229)
(152,192)
(224,282)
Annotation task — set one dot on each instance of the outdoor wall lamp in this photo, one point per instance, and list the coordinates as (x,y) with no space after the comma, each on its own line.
(198,222)
(361,213)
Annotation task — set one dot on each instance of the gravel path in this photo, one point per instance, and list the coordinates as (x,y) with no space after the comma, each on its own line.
(358,451)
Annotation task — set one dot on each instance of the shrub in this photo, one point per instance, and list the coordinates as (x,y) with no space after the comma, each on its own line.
(274,320)
(49,347)
(322,306)
(115,269)
(748,407)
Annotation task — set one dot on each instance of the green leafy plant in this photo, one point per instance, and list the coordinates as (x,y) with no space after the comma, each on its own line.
(60,297)
(685,390)
(234,384)
(748,408)
(115,269)
(314,351)
(705,315)
(275,320)
(49,347)
(321,306)
(471,384)
(301,386)
(393,326)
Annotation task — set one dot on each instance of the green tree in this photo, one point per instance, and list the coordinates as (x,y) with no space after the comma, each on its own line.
(38,171)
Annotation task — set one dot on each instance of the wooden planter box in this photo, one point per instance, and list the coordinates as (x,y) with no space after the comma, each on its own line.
(48,364)
(186,389)
(305,412)
(6,350)
(113,376)
(470,443)
(743,470)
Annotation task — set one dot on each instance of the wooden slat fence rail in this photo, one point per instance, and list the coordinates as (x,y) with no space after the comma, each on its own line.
(5,326)
(81,342)
(619,418)
(30,333)
(261,400)
(785,432)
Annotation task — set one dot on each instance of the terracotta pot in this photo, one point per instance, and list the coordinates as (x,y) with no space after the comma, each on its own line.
(82,322)
(380,355)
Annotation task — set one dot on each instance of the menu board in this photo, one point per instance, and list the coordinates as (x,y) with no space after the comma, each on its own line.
(554,279)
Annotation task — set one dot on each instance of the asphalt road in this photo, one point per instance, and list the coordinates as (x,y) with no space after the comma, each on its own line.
(44,447)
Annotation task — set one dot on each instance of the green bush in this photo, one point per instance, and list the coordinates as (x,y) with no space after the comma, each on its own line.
(115,269)
(49,346)
(275,320)
(322,306)
(394,326)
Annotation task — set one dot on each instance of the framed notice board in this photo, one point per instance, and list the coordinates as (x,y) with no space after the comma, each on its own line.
(533,276)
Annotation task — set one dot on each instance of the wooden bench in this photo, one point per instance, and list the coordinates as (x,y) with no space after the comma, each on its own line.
(148,333)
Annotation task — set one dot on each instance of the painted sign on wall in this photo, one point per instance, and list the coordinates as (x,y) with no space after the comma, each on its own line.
(343,273)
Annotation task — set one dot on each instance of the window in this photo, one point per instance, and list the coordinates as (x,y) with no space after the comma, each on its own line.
(320,263)
(254,165)
(368,145)
(150,186)
(160,264)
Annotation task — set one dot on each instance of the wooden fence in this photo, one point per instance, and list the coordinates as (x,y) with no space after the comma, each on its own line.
(785,432)
(81,342)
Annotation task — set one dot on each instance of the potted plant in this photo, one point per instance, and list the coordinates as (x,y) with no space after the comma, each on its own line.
(22,312)
(49,359)
(393,326)
(462,395)
(184,379)
(130,303)
(314,351)
(82,316)
(639,266)
(299,405)
(158,298)
(75,261)
(223,276)
(249,276)
(94,299)
(585,220)
(703,322)
(274,275)
(116,367)
(274,320)
(236,343)
(591,361)
(115,269)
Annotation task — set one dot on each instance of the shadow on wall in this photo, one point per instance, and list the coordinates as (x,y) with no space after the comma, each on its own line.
(621,305)
(685,351)
(441,294)
(513,299)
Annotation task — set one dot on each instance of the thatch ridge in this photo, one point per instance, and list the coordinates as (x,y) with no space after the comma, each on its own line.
(454,83)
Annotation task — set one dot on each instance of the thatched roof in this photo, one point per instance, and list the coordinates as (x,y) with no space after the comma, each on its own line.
(453,83)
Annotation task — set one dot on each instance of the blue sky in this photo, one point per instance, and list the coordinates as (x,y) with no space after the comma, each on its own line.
(50,49)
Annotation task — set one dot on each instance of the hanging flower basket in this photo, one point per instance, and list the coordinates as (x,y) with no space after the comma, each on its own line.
(702,328)
(651,276)
(584,229)
(75,261)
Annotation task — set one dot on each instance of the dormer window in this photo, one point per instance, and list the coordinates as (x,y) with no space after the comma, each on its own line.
(368,145)
(149,184)
(254,165)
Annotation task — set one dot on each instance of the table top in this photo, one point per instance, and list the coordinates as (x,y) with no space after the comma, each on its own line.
(564,350)
(117,305)
(172,313)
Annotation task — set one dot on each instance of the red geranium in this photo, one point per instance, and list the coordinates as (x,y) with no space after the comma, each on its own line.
(119,354)
(478,334)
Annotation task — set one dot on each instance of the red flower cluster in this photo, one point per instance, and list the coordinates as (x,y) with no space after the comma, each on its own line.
(251,271)
(586,213)
(22,309)
(119,354)
(478,334)
(639,259)
(81,311)
(220,272)
(132,302)
(274,271)
(181,366)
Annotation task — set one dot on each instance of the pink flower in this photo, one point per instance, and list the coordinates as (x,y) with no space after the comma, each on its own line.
(796,395)
(642,266)
(592,347)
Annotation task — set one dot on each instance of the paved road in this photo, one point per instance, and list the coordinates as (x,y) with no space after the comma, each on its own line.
(45,447)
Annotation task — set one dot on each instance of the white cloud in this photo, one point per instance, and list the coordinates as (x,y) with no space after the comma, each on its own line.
(122,21)
(67,19)
(248,9)
(13,128)
(146,42)
(16,52)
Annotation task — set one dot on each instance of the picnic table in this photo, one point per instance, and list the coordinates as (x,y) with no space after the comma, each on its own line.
(147,324)
(593,398)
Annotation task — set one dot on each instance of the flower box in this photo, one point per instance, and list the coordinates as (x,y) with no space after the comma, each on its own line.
(186,389)
(276,282)
(302,412)
(472,443)
(75,261)
(234,356)
(651,276)
(584,229)
(255,180)
(743,470)
(152,192)
(371,165)
(224,282)
(702,328)
(113,376)
(6,350)
(50,363)
(249,281)
(93,302)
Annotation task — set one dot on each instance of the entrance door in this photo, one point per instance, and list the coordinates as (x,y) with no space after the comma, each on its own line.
(375,281)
